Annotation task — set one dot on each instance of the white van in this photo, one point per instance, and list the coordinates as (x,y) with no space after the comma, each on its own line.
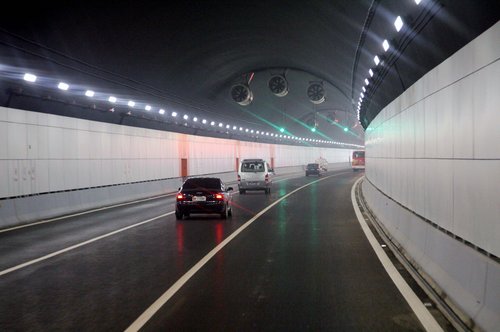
(255,174)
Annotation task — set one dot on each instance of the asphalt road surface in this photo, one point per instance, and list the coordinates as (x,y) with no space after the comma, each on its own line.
(294,260)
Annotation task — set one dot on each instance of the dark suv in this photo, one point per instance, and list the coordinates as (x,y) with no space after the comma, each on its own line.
(203,195)
(314,169)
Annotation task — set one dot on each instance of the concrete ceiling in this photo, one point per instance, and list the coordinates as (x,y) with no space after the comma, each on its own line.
(188,56)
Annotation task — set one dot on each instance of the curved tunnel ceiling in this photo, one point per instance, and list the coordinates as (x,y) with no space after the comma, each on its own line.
(189,55)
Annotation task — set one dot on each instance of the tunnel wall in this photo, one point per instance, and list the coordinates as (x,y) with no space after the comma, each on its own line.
(52,165)
(433,176)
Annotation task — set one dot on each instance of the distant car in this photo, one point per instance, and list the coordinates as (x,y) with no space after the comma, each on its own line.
(255,174)
(203,195)
(314,169)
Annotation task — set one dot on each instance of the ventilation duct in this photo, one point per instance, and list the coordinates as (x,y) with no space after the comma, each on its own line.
(241,94)
(278,85)
(316,92)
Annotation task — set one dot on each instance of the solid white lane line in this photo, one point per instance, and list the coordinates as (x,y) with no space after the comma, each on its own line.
(59,252)
(83,213)
(425,317)
(146,315)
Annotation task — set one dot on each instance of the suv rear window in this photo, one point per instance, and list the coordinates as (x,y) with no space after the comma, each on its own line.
(257,166)
(312,166)
(202,183)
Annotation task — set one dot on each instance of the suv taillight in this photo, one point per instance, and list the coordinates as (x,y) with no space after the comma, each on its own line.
(267,178)
(180,197)
(219,197)
(239,178)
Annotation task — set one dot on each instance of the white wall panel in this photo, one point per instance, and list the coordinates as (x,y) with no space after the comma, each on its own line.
(42,175)
(84,125)
(14,178)
(4,138)
(55,143)
(16,143)
(70,167)
(32,142)
(443,107)
(107,172)
(56,175)
(396,137)
(43,119)
(106,147)
(439,192)
(83,173)
(83,145)
(24,177)
(430,127)
(70,144)
(4,178)
(95,172)
(42,142)
(463,119)
(4,114)
(486,86)
(477,202)
(15,116)
(407,134)
(94,142)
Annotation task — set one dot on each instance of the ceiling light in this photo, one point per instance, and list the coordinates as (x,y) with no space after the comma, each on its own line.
(89,93)
(366,81)
(376,60)
(362,95)
(147,108)
(161,111)
(385,45)
(417,2)
(204,121)
(234,127)
(228,126)
(131,103)
(398,23)
(112,99)
(63,86)
(241,129)
(363,88)
(220,124)
(212,123)
(370,72)
(185,117)
(195,119)
(29,77)
(174,114)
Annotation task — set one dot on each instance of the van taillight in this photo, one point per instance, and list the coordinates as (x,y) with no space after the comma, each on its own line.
(267,178)
(180,197)
(219,196)
(239,178)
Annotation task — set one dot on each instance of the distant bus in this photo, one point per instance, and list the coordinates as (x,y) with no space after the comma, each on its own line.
(358,160)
